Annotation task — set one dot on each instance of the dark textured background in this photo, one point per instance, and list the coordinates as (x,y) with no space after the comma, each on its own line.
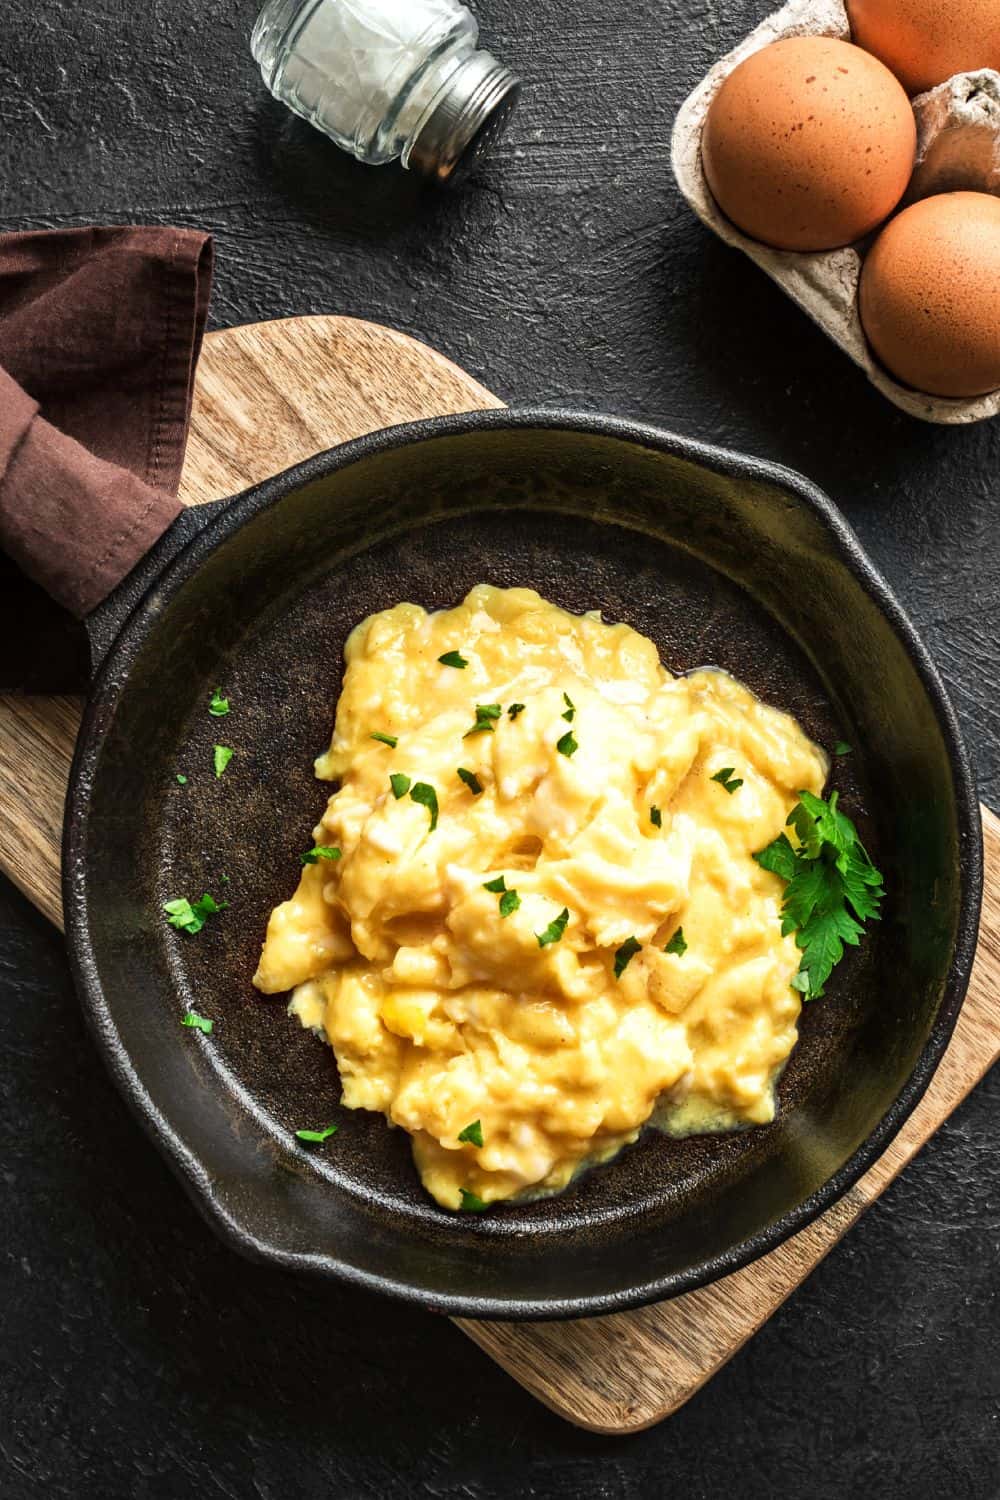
(138,1358)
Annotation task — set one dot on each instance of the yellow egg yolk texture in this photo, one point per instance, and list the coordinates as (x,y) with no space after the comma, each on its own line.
(575,940)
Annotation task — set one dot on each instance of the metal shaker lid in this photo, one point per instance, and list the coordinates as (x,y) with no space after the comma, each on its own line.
(471,113)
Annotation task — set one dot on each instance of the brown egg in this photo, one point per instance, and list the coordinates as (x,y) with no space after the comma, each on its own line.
(809,144)
(930,295)
(925,41)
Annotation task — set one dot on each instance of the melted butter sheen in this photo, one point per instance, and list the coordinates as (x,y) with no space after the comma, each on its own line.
(440,1011)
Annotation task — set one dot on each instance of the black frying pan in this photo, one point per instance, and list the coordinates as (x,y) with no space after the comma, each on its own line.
(721,560)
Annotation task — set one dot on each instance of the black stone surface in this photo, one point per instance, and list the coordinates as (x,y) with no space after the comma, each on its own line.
(138,1357)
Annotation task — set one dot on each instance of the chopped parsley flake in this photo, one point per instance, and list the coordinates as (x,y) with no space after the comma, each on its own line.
(472,1134)
(221,756)
(427,797)
(570,713)
(509,902)
(385,739)
(319,1136)
(486,717)
(181,779)
(515,709)
(832,887)
(471,1203)
(471,780)
(400,784)
(199,1023)
(655,816)
(677,944)
(554,931)
(191,916)
(625,955)
(453,659)
(319,851)
(567,745)
(218,706)
(726,779)
(842,748)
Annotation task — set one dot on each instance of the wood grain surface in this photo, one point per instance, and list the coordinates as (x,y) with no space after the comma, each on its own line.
(267,396)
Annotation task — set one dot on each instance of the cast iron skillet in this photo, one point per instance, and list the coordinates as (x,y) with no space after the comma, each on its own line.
(720,559)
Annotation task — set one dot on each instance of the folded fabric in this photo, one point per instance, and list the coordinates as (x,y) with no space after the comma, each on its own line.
(100,331)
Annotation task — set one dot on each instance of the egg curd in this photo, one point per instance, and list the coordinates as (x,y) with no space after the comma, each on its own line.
(544,927)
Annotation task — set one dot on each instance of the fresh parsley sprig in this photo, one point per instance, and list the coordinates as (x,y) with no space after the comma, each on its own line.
(427,797)
(509,899)
(472,1135)
(319,851)
(553,933)
(191,916)
(625,954)
(486,719)
(726,779)
(317,1137)
(832,887)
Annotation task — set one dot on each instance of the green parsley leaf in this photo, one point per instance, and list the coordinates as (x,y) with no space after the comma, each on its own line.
(486,717)
(726,778)
(832,888)
(453,659)
(190,916)
(471,780)
(317,852)
(842,748)
(567,745)
(554,931)
(655,816)
(509,902)
(570,713)
(385,739)
(780,858)
(677,944)
(181,780)
(318,1136)
(515,709)
(472,1134)
(199,1023)
(400,784)
(427,797)
(221,756)
(218,706)
(471,1203)
(625,955)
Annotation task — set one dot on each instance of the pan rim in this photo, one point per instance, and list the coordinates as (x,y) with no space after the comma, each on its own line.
(112,681)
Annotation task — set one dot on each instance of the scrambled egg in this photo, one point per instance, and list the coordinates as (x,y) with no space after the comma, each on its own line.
(523,964)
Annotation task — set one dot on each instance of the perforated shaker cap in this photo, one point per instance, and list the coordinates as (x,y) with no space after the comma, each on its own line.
(471,113)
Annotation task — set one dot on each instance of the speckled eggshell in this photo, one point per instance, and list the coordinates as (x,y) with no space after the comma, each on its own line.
(925,41)
(930,295)
(809,144)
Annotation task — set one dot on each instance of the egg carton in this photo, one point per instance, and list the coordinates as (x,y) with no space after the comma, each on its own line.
(958,147)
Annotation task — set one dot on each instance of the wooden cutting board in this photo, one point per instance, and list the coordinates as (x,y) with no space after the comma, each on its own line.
(268,396)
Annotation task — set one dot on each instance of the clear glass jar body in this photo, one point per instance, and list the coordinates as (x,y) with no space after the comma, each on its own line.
(368,73)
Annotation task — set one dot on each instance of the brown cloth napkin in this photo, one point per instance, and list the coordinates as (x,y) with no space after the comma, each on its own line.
(100,331)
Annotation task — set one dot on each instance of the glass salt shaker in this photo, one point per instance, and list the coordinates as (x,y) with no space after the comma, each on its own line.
(387,78)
